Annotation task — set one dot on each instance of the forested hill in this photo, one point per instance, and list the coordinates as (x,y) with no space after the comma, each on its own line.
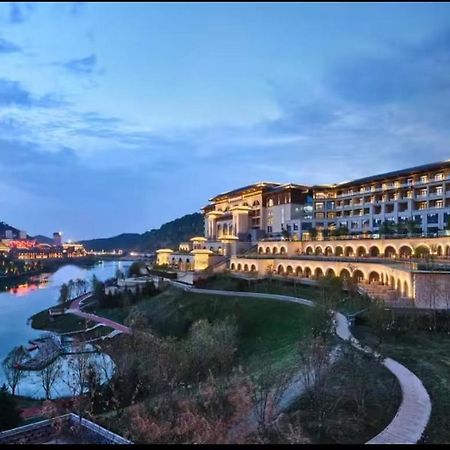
(168,235)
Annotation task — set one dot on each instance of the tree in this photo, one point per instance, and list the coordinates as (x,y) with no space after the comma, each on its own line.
(135,269)
(48,376)
(9,411)
(64,293)
(387,227)
(286,234)
(412,227)
(11,367)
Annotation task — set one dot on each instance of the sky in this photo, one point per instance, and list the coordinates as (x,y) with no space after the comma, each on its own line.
(119,117)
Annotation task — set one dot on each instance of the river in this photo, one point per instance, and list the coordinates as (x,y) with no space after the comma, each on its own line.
(19,302)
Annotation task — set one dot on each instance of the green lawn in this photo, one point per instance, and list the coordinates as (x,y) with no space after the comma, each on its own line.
(267,328)
(59,324)
(346,303)
(427,354)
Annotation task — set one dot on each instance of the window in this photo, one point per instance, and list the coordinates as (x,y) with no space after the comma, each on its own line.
(439,176)
(439,190)
(270,202)
(319,206)
(432,218)
(269,229)
(295,226)
(439,204)
(423,179)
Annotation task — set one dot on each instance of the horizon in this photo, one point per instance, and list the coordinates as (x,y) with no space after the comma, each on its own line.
(118,118)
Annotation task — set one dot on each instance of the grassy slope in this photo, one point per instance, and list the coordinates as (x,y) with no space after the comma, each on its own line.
(427,354)
(266,327)
(59,324)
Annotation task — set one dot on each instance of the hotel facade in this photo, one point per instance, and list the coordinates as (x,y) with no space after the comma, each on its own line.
(394,238)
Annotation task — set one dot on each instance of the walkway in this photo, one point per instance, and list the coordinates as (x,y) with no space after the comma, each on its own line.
(414,412)
(75,309)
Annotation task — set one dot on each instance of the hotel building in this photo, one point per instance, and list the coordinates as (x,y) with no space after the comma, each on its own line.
(265,228)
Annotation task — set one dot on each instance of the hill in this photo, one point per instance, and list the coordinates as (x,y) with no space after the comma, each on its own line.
(42,239)
(168,235)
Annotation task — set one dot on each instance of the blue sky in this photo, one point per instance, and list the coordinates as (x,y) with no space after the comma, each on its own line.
(120,117)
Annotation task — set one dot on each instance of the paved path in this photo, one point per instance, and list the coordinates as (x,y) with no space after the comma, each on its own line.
(413,415)
(75,309)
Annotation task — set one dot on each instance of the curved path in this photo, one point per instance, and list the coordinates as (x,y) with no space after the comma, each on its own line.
(75,308)
(412,417)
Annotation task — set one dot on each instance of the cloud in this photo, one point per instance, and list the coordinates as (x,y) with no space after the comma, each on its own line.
(8,47)
(85,65)
(20,12)
(12,93)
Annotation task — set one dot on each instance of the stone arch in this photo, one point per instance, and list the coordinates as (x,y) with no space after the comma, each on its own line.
(399,286)
(318,273)
(260,250)
(344,274)
(374,277)
(299,271)
(233,267)
(392,282)
(447,251)
(245,267)
(440,250)
(405,289)
(374,251)
(267,250)
(338,251)
(318,250)
(307,272)
(330,272)
(283,250)
(280,269)
(309,250)
(405,251)
(253,268)
(328,251)
(422,251)
(361,251)
(289,270)
(274,250)
(358,276)
(390,252)
(349,251)
(219,229)
(239,267)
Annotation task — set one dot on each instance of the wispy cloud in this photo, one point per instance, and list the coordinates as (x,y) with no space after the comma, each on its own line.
(8,47)
(79,66)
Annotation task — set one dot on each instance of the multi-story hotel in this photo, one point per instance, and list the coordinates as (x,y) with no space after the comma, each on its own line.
(266,227)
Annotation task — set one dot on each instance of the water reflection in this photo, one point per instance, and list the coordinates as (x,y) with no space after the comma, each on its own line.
(22,299)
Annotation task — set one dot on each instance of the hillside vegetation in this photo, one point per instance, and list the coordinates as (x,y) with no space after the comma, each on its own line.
(168,235)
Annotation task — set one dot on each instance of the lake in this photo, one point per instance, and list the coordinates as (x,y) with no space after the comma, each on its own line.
(19,302)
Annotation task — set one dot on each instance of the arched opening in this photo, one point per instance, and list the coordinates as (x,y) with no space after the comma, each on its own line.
(274,250)
(245,267)
(219,230)
(374,278)
(345,274)
(309,250)
(318,273)
(405,289)
(358,276)
(422,251)
(399,286)
(307,272)
(283,250)
(289,270)
(392,282)
(328,251)
(318,251)
(440,251)
(330,273)
(299,271)
(267,250)
(260,250)
(253,268)
(447,251)
(405,252)
(280,270)
(361,252)
(239,267)
(348,251)
(339,251)
(374,251)
(233,267)
(390,252)
(188,264)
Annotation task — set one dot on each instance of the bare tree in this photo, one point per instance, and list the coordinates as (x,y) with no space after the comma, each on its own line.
(49,375)
(12,367)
